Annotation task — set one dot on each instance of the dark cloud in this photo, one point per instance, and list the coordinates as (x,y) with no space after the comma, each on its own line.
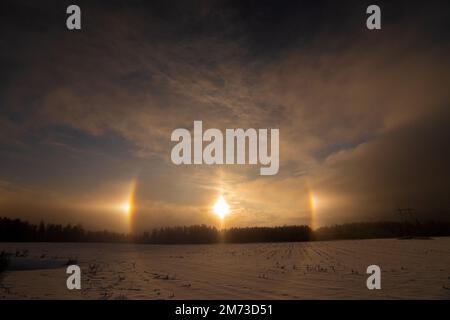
(407,167)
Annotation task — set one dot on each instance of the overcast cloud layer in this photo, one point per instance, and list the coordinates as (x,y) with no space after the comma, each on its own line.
(364,117)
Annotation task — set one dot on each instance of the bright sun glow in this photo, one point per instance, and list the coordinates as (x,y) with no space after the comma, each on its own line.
(221,207)
(126,208)
(314,202)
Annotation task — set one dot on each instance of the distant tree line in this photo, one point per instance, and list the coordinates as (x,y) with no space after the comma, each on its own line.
(205,234)
(374,230)
(16,230)
(196,234)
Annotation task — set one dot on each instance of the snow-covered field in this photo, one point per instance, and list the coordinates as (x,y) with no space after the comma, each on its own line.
(313,270)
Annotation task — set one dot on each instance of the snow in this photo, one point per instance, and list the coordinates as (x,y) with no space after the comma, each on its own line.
(410,269)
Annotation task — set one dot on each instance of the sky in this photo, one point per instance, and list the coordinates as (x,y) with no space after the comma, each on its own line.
(86,116)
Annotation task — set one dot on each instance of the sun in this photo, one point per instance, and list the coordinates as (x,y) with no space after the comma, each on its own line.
(126,207)
(221,207)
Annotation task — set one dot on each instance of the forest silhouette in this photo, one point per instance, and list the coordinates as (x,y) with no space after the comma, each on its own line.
(16,230)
